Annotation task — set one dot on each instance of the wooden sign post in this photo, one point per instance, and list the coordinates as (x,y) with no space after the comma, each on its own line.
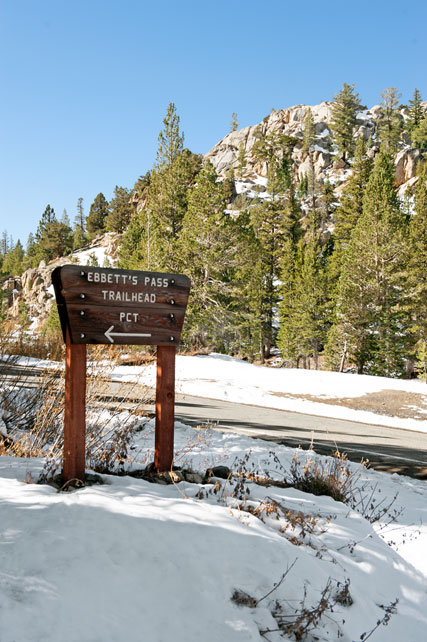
(122,307)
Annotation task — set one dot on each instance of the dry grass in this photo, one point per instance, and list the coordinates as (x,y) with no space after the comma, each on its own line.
(34,416)
(392,403)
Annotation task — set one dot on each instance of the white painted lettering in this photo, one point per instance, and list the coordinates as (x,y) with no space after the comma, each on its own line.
(152,298)
(90,276)
(128,317)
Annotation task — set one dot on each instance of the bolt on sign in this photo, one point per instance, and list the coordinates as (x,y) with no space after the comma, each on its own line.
(118,307)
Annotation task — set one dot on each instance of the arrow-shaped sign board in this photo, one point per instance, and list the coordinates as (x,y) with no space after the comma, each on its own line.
(104,305)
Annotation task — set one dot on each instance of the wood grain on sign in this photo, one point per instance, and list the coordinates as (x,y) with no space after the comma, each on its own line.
(165,402)
(74,411)
(111,306)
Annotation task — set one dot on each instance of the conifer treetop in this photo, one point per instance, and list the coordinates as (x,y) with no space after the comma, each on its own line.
(170,140)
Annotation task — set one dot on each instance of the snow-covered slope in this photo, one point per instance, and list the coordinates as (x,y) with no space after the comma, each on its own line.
(130,560)
(321,393)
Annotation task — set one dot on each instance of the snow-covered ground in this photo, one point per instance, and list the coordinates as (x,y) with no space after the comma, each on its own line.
(132,560)
(220,377)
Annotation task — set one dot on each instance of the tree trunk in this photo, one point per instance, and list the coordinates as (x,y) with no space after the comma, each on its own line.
(343,357)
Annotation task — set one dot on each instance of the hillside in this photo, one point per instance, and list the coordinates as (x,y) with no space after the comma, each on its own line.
(290,121)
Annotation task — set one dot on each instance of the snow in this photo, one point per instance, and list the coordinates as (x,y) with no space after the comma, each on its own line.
(84,257)
(364,115)
(136,560)
(261,180)
(324,134)
(217,376)
(318,148)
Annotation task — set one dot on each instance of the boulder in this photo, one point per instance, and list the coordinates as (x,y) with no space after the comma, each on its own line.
(406,165)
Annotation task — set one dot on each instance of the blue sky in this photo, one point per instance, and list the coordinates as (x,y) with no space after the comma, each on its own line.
(85,84)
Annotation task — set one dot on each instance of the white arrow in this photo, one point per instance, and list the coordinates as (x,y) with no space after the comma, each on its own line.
(109,334)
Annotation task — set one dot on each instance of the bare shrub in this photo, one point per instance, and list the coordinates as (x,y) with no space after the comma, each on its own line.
(37,345)
(332,476)
(297,621)
(35,415)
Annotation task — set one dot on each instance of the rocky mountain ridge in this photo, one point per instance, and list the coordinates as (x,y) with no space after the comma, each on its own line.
(290,121)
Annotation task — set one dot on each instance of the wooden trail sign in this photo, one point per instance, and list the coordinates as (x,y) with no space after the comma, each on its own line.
(110,306)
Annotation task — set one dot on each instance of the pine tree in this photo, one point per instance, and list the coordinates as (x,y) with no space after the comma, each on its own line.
(65,218)
(234,122)
(4,244)
(313,186)
(47,218)
(173,172)
(229,185)
(170,140)
(419,135)
(134,250)
(98,212)
(327,200)
(53,238)
(30,243)
(351,205)
(350,209)
(304,307)
(288,338)
(241,160)
(417,268)
(13,260)
(273,221)
(57,241)
(249,281)
(79,237)
(309,131)
(390,123)
(372,315)
(206,255)
(121,210)
(166,193)
(344,111)
(167,199)
(415,112)
(30,250)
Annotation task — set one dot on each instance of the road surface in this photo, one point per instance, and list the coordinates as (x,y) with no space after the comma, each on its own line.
(387,449)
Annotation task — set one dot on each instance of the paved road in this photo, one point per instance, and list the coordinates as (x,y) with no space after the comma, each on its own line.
(388,449)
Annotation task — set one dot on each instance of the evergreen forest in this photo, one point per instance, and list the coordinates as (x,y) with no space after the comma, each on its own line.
(320,279)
